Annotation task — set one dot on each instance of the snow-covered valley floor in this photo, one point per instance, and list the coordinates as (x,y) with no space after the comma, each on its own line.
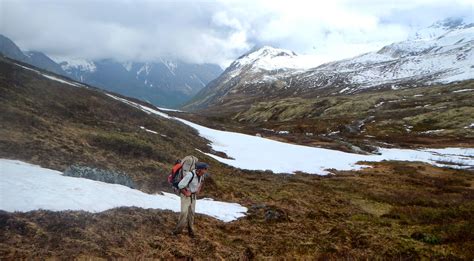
(26,187)
(257,153)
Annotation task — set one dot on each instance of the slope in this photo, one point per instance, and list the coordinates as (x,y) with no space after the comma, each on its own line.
(442,56)
(54,122)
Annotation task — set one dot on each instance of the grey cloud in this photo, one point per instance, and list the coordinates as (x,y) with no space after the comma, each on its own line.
(212,31)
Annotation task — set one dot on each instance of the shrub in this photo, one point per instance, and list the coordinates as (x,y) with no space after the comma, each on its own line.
(123,145)
(427,238)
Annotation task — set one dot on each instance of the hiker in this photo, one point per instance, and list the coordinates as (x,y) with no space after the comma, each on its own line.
(189,186)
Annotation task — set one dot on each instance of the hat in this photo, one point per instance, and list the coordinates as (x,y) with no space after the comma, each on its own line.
(201,165)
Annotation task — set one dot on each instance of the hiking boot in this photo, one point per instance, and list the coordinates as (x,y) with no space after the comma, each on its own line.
(191,234)
(175,233)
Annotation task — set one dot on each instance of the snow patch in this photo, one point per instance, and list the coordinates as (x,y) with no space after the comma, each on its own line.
(258,153)
(145,68)
(379,104)
(464,90)
(432,131)
(166,109)
(62,81)
(147,130)
(140,107)
(52,77)
(344,90)
(127,66)
(270,59)
(79,64)
(170,65)
(27,187)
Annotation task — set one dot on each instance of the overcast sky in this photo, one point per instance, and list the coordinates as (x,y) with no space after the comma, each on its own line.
(215,31)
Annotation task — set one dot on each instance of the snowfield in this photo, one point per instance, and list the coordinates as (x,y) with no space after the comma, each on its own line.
(26,187)
(257,153)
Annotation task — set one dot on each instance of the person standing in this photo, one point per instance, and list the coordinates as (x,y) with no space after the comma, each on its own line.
(189,186)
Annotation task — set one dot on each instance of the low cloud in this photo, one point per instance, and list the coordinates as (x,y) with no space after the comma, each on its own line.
(217,31)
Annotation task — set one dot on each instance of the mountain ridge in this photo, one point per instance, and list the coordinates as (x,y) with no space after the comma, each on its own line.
(443,57)
(170,83)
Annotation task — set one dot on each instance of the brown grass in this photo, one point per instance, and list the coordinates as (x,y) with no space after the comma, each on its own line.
(394,210)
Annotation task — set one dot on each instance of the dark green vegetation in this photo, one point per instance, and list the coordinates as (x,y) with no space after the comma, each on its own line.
(434,116)
(395,210)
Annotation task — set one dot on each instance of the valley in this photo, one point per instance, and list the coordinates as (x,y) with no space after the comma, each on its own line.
(395,209)
(428,116)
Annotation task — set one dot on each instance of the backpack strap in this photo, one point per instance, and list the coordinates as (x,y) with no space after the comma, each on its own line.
(192,172)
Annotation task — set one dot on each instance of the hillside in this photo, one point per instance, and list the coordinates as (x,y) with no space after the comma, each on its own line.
(423,212)
(165,82)
(425,116)
(55,125)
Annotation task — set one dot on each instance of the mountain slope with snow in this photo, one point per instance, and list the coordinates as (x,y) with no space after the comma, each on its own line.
(443,58)
(252,152)
(167,83)
(442,53)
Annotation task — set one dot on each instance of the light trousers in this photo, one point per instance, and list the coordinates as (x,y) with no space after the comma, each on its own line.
(186,217)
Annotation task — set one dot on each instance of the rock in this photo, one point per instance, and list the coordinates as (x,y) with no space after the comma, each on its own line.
(108,176)
(274,214)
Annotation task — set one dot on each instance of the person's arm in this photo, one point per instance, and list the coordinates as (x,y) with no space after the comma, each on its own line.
(185,181)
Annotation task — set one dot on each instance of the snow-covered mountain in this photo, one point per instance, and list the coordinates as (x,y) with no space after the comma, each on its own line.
(268,58)
(441,53)
(439,28)
(166,83)
(260,65)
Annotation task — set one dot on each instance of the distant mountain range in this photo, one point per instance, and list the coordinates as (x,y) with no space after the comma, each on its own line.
(167,83)
(441,53)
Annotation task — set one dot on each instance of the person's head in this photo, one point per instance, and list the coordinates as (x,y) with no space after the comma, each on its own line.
(201,168)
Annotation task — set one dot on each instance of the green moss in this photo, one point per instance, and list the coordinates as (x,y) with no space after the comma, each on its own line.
(128,145)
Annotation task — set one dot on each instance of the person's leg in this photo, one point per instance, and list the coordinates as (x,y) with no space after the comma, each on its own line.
(191,211)
(184,214)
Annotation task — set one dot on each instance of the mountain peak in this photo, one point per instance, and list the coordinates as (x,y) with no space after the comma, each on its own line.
(266,58)
(80,64)
(451,23)
(441,27)
(267,51)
